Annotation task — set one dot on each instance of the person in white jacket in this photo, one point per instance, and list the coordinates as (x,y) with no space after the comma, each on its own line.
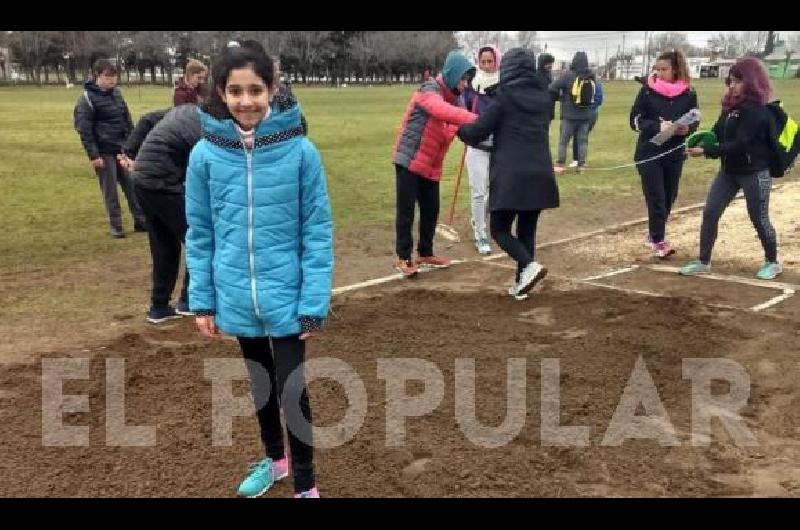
(477,100)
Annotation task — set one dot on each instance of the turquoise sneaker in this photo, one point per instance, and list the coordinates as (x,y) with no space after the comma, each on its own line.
(260,479)
(695,267)
(768,271)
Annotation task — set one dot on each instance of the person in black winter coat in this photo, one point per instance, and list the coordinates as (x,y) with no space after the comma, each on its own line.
(103,122)
(664,97)
(745,132)
(521,178)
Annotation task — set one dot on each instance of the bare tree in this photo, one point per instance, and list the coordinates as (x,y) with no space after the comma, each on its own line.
(528,40)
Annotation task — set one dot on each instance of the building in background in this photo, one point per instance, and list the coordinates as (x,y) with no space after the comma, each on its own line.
(783,62)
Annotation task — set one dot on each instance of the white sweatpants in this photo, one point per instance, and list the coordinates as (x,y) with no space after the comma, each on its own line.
(478,169)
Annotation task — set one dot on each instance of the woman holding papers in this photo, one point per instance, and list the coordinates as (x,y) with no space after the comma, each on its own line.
(664,97)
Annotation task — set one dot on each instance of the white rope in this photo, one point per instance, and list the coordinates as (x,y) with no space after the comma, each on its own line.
(637,162)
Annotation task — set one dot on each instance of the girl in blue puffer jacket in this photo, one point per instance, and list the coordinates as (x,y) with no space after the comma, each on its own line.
(260,251)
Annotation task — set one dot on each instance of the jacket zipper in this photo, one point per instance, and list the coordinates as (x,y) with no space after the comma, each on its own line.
(250,250)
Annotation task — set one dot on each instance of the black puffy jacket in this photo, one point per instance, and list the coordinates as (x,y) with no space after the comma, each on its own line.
(521,174)
(744,139)
(102,120)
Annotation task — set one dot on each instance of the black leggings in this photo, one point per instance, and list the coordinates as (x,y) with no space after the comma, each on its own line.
(276,358)
(756,188)
(523,247)
(660,179)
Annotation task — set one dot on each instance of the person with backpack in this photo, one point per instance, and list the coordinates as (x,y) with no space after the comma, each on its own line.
(664,97)
(746,148)
(577,90)
(477,98)
(103,122)
(595,110)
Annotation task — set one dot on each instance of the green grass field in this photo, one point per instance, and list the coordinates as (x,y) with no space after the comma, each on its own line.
(52,210)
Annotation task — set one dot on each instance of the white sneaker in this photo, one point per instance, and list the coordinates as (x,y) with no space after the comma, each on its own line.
(530,276)
(513,292)
(573,164)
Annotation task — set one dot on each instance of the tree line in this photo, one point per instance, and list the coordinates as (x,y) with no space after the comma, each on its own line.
(155,56)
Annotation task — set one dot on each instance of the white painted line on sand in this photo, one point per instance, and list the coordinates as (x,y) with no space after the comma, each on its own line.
(622,289)
(611,273)
(500,265)
(730,278)
(391,277)
(787,293)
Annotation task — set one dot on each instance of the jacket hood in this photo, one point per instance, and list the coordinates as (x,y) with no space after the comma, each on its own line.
(519,79)
(544,58)
(455,66)
(580,62)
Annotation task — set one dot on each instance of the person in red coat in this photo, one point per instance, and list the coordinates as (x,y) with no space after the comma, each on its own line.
(187,90)
(429,126)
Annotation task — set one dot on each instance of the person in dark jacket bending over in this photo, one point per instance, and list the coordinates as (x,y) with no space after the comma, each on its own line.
(161,157)
(103,122)
(664,97)
(745,146)
(521,178)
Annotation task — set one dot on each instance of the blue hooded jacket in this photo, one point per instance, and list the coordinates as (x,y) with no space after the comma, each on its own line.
(259,247)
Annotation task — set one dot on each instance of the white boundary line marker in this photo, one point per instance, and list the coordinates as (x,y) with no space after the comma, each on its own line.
(500,265)
(391,277)
(609,274)
(787,293)
(729,278)
(622,289)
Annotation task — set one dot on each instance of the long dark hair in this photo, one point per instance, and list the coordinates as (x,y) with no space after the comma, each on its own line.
(232,59)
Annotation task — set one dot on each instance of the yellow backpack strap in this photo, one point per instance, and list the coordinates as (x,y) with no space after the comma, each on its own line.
(788,134)
(576,87)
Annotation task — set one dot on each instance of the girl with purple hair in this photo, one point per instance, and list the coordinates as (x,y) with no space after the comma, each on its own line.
(743,131)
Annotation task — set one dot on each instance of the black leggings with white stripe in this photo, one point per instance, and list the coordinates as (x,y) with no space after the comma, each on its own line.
(756,188)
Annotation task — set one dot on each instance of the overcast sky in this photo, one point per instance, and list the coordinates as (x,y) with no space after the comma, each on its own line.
(563,44)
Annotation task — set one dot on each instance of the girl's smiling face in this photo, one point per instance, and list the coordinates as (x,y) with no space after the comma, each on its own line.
(247,97)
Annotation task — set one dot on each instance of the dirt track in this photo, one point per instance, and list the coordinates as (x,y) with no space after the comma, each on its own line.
(596,333)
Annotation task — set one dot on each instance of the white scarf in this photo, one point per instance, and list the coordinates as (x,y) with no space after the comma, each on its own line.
(484,80)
